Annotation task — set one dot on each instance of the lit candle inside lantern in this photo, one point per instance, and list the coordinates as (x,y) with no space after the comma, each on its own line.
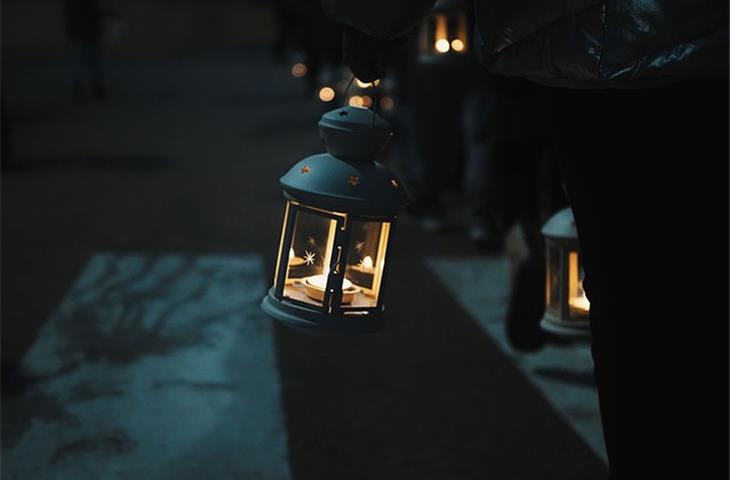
(580,303)
(367,263)
(363,274)
(294,261)
(320,282)
(315,286)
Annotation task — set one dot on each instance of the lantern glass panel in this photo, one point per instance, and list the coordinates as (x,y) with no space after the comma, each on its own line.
(365,261)
(309,256)
(554,283)
(577,300)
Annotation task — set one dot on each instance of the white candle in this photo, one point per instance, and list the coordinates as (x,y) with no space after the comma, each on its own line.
(294,261)
(320,282)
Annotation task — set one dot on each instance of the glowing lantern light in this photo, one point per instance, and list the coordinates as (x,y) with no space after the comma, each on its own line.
(566,305)
(445,33)
(337,230)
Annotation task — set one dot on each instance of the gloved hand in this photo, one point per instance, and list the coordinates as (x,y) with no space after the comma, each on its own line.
(368,56)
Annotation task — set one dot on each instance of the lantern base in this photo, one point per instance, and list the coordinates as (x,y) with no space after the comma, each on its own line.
(571,332)
(314,321)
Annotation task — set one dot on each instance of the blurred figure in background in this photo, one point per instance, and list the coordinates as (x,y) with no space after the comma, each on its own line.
(308,38)
(449,122)
(84,24)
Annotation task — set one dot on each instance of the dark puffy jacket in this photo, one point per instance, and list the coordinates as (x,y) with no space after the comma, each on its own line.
(575,43)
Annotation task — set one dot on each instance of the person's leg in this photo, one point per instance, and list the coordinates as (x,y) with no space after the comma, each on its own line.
(479,176)
(646,240)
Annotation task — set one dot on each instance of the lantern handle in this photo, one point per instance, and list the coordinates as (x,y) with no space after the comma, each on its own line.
(375,102)
(347,90)
(375,96)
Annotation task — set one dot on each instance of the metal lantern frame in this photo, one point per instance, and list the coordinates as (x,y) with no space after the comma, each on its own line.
(345,187)
(561,240)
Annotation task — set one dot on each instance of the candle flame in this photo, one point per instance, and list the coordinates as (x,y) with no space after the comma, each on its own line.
(291,253)
(367,262)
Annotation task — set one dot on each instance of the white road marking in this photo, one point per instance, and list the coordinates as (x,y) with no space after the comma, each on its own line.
(481,287)
(161,367)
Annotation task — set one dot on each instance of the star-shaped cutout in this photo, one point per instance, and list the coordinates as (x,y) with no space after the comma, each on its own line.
(309,257)
(305,169)
(311,241)
(394,183)
(354,180)
(359,246)
(343,113)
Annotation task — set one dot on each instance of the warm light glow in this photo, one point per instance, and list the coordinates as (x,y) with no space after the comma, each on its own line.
(457,45)
(580,303)
(362,84)
(386,103)
(367,101)
(356,101)
(291,253)
(326,94)
(320,282)
(299,70)
(367,262)
(442,45)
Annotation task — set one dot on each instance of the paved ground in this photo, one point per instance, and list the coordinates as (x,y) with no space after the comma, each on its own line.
(181,165)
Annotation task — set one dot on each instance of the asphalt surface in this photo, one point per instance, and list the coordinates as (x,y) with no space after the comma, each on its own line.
(184,158)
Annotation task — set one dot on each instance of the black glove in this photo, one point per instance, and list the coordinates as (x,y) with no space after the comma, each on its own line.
(368,56)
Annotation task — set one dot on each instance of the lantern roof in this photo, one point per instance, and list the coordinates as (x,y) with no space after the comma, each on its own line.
(561,226)
(354,133)
(348,178)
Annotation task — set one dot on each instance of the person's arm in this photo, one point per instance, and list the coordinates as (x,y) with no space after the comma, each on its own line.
(383,19)
(374,31)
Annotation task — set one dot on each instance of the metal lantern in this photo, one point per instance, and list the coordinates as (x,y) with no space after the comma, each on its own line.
(444,34)
(338,227)
(566,305)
